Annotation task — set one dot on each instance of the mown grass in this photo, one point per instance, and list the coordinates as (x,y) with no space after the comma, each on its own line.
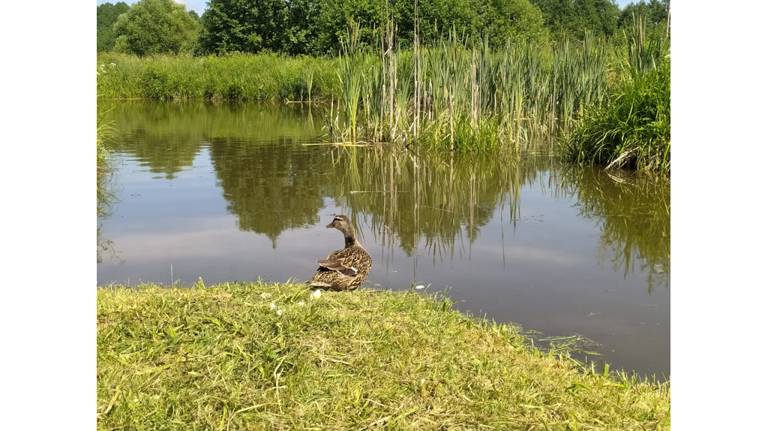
(270,356)
(233,78)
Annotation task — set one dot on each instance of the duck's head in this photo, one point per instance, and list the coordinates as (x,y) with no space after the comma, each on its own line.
(342,223)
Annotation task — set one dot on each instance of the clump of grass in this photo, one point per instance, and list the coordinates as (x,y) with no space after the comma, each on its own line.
(632,128)
(233,78)
(104,132)
(272,356)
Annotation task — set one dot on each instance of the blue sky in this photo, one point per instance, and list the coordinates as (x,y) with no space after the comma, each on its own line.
(199,5)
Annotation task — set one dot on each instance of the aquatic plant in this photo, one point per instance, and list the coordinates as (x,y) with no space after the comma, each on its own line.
(632,128)
(104,131)
(465,96)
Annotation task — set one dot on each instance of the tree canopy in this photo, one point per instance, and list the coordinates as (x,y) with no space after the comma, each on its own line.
(317,27)
(242,26)
(572,18)
(156,27)
(655,12)
(106,15)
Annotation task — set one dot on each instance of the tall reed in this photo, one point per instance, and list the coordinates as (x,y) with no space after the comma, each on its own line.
(464,96)
(632,128)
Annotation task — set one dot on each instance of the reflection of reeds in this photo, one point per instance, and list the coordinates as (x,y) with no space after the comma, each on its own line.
(426,200)
(633,212)
(104,131)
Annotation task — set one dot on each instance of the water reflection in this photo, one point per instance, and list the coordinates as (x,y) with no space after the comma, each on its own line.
(632,212)
(272,183)
(270,187)
(236,193)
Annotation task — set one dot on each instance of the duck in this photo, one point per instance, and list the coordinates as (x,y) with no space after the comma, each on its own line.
(344,269)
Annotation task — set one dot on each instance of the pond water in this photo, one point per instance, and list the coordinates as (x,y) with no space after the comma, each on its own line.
(240,193)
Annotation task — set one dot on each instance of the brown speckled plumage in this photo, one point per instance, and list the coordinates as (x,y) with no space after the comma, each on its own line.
(343,269)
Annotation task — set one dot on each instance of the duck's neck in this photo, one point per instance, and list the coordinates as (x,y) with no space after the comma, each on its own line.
(349,241)
(349,237)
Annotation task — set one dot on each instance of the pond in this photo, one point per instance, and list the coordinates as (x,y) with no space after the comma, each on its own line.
(244,192)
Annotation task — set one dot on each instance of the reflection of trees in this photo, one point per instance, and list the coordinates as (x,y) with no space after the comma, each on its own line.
(437,200)
(163,154)
(166,137)
(272,184)
(633,213)
(270,187)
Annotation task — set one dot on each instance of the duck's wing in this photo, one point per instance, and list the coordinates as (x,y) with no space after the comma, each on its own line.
(338,265)
(343,261)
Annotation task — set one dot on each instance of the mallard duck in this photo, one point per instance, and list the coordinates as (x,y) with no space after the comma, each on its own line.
(343,269)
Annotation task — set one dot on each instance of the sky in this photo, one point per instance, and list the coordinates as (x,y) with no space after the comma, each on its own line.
(199,5)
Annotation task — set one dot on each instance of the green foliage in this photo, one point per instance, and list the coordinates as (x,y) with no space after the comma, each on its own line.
(156,27)
(227,78)
(633,128)
(572,18)
(318,27)
(511,20)
(242,26)
(106,15)
(257,356)
(655,12)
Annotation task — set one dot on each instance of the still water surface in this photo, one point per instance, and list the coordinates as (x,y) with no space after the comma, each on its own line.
(235,193)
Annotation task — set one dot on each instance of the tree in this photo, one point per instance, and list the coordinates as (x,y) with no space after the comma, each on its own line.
(243,26)
(655,12)
(572,18)
(156,27)
(106,15)
(516,20)
(495,19)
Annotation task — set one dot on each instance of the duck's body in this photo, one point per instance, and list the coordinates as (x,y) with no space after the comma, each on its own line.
(344,269)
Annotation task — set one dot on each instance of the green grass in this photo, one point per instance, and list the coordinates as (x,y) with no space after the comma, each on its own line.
(269,356)
(230,78)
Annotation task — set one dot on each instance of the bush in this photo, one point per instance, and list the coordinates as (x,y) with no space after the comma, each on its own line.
(632,130)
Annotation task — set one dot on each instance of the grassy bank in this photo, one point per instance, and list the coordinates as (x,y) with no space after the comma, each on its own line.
(258,356)
(234,78)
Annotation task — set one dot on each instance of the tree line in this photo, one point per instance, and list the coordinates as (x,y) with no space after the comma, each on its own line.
(318,27)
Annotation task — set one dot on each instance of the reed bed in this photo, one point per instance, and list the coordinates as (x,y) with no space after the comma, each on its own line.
(465,96)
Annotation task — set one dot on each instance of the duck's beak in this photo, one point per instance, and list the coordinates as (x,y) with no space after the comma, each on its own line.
(330,225)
